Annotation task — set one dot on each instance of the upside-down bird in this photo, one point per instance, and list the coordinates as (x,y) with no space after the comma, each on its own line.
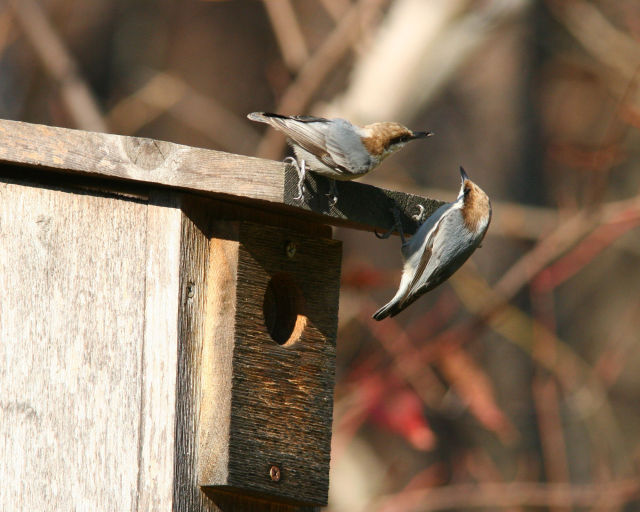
(441,245)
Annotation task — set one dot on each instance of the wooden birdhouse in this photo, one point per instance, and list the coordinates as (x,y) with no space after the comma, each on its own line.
(168,324)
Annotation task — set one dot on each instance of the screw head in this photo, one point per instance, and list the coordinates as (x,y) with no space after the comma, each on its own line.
(291,249)
(191,290)
(274,473)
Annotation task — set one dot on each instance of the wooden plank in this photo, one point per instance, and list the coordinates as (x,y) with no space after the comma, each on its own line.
(261,397)
(225,175)
(138,159)
(291,427)
(159,354)
(217,354)
(187,496)
(360,206)
(72,270)
(194,404)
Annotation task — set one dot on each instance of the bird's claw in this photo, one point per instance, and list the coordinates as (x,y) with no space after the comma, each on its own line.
(301,175)
(333,193)
(397,225)
(418,216)
(383,236)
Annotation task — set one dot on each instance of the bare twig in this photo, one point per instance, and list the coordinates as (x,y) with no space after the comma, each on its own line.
(433,39)
(599,184)
(397,343)
(335,8)
(545,394)
(620,347)
(613,48)
(584,392)
(531,494)
(160,93)
(545,397)
(59,63)
(167,93)
(565,236)
(581,255)
(313,73)
(509,219)
(6,25)
(288,33)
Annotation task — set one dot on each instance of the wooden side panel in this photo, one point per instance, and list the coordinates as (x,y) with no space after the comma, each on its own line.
(188,497)
(217,354)
(72,282)
(159,355)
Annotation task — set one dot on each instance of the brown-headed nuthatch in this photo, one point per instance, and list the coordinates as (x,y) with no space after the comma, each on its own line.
(441,245)
(335,148)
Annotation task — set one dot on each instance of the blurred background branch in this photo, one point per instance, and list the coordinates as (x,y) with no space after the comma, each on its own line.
(57,61)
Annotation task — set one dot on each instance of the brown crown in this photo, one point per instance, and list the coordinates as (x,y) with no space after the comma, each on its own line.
(476,206)
(382,134)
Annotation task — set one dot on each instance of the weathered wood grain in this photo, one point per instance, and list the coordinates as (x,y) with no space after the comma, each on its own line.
(359,206)
(194,246)
(72,325)
(217,354)
(159,353)
(197,392)
(261,398)
(224,175)
(142,160)
(102,329)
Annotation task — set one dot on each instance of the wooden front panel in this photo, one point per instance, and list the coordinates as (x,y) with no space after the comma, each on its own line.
(269,362)
(283,394)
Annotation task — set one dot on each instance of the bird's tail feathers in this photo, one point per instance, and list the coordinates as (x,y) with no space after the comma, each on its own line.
(261,117)
(390,309)
(279,119)
(398,304)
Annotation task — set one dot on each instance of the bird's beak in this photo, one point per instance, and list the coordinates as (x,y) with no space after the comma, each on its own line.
(420,135)
(463,174)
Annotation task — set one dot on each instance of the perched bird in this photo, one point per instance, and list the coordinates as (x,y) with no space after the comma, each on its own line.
(441,245)
(335,148)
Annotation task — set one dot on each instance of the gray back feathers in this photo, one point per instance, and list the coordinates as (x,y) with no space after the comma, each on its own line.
(336,143)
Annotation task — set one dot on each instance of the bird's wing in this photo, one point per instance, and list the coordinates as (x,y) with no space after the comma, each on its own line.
(335,142)
(420,279)
(269,118)
(306,131)
(346,153)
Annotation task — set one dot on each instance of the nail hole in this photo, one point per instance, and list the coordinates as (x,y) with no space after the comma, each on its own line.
(283,310)
(290,249)
(274,473)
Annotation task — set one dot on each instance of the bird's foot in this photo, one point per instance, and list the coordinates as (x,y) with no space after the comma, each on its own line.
(397,225)
(333,193)
(418,216)
(302,172)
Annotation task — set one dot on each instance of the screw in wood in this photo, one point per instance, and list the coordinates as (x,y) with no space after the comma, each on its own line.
(291,249)
(274,473)
(191,290)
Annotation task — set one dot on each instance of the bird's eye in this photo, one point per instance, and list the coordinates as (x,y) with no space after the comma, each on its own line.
(398,140)
(467,190)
